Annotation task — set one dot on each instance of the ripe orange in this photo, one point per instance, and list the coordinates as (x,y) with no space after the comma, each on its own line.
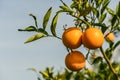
(71,37)
(110,37)
(75,61)
(92,38)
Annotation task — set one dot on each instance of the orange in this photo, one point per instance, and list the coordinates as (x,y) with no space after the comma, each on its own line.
(75,61)
(110,37)
(92,38)
(72,37)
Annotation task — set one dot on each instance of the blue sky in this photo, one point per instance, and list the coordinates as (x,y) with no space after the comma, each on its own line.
(15,56)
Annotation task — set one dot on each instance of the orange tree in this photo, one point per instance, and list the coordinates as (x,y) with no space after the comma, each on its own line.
(92,30)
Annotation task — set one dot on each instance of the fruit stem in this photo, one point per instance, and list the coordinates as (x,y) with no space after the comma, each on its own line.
(109,63)
(54,36)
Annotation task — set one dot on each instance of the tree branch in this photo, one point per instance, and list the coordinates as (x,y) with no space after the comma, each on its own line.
(109,63)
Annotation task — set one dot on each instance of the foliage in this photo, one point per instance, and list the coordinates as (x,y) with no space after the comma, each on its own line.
(86,13)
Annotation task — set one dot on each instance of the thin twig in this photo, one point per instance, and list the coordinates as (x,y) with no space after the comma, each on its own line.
(54,36)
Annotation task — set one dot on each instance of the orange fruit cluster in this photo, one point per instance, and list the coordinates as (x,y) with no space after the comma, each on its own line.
(73,38)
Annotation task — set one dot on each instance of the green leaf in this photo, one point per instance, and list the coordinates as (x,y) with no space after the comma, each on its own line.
(35,19)
(111,43)
(104,28)
(118,9)
(105,1)
(116,22)
(68,74)
(41,30)
(102,17)
(66,8)
(44,73)
(110,11)
(47,74)
(61,11)
(116,45)
(38,78)
(46,18)
(97,60)
(103,66)
(35,37)
(73,5)
(49,69)
(98,3)
(105,4)
(86,11)
(53,25)
(96,12)
(63,3)
(108,52)
(113,21)
(102,25)
(30,28)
